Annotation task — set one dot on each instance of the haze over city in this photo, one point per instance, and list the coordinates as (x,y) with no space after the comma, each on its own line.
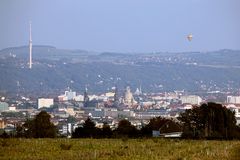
(122,26)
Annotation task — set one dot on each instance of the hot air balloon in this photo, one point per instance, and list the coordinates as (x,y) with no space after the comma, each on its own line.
(189,37)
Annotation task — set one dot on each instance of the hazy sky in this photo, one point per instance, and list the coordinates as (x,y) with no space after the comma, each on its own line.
(122,25)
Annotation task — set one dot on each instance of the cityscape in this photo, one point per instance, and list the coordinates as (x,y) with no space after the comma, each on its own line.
(111,94)
(70,109)
(119,80)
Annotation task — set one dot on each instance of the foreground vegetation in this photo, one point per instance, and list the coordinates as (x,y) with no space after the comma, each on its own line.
(208,121)
(124,149)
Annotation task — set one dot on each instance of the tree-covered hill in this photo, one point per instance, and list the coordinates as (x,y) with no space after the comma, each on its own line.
(56,69)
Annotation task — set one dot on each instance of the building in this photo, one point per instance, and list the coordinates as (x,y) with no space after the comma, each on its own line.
(70,95)
(12,108)
(45,102)
(128,97)
(110,94)
(70,111)
(79,98)
(138,91)
(2,124)
(4,106)
(191,99)
(66,129)
(233,99)
(62,98)
(149,114)
(236,109)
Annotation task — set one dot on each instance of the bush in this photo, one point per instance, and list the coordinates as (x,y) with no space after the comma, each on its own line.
(65,146)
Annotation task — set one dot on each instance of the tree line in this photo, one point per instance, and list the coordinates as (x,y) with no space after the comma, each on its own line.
(208,121)
(211,121)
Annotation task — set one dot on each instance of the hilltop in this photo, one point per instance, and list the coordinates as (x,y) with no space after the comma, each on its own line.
(56,69)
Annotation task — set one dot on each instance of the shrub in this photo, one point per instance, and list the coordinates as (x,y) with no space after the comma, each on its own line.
(65,146)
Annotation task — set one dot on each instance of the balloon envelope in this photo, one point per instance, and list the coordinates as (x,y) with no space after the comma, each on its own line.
(189,37)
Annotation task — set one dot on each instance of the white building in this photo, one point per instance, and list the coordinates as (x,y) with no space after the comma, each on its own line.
(45,102)
(191,99)
(79,98)
(70,95)
(12,108)
(233,99)
(92,97)
(62,98)
(70,111)
(109,94)
(187,106)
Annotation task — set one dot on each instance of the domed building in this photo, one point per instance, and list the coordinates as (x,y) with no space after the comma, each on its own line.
(128,97)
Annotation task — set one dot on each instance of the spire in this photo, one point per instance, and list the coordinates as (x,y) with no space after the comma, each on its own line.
(85,98)
(140,90)
(30,45)
(116,94)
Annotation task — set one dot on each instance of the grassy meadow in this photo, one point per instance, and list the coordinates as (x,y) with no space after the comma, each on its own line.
(122,149)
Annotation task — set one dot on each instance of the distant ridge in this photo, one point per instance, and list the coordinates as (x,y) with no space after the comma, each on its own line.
(8,49)
(56,69)
(26,46)
(41,51)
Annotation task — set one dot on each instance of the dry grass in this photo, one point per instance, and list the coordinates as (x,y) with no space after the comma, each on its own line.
(142,149)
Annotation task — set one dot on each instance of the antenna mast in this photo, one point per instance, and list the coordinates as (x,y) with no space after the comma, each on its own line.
(30,45)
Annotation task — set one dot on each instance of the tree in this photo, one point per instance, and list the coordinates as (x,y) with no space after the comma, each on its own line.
(40,127)
(29,130)
(78,132)
(126,129)
(87,130)
(158,123)
(4,135)
(19,131)
(106,131)
(210,120)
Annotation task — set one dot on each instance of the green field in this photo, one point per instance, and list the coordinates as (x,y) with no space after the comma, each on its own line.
(124,149)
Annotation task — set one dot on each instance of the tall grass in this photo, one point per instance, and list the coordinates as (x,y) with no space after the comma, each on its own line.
(88,149)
